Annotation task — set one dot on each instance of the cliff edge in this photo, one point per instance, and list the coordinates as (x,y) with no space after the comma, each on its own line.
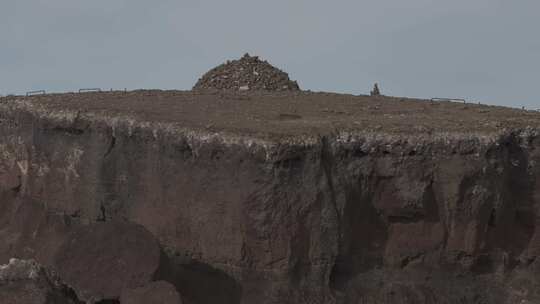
(274,197)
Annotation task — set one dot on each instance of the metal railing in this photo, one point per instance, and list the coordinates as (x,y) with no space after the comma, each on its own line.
(83,90)
(89,90)
(448,99)
(32,93)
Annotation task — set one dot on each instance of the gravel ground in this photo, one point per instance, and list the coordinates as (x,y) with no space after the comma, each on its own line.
(291,113)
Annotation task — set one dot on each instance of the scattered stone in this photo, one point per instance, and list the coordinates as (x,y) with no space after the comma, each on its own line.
(246,73)
(101,259)
(19,270)
(159,292)
(27,282)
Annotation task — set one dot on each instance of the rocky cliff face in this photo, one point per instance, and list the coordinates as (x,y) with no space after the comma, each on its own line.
(348,215)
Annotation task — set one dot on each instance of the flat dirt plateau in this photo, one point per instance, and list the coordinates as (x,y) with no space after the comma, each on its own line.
(205,196)
(292,113)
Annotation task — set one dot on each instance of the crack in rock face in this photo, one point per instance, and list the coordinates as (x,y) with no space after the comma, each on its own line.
(248,73)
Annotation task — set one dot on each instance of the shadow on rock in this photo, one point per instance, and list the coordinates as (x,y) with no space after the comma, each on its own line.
(198,283)
(160,292)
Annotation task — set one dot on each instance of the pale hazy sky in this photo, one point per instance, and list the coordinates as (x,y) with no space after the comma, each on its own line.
(482,50)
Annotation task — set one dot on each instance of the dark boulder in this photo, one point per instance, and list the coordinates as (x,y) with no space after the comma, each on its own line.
(101,259)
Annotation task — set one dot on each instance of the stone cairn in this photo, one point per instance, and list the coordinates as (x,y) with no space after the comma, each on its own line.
(248,73)
(375,91)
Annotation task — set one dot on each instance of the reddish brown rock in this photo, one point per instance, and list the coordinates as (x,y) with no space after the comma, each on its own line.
(29,230)
(159,292)
(101,259)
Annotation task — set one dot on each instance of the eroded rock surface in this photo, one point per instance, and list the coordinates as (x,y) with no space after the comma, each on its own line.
(307,198)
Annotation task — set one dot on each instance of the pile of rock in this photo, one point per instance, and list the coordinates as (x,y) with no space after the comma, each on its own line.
(247,73)
(27,282)
(17,270)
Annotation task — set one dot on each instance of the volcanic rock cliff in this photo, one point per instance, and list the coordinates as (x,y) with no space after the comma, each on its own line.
(259,197)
